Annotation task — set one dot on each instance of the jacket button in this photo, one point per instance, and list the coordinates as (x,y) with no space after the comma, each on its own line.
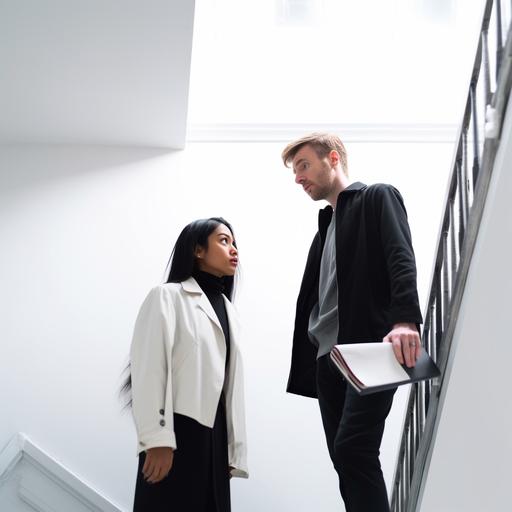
(162,412)
(162,423)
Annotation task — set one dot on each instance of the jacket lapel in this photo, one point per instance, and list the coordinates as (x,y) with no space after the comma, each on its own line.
(232,320)
(190,286)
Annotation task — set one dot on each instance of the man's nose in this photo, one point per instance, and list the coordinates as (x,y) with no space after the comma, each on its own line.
(299,179)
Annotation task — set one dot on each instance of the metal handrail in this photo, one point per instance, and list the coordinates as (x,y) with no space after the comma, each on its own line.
(467,190)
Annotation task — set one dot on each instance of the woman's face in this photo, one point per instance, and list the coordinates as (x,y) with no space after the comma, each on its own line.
(221,257)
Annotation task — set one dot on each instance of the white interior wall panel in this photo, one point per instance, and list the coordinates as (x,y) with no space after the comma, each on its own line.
(110,72)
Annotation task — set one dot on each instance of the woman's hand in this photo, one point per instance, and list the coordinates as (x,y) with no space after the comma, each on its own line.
(158,463)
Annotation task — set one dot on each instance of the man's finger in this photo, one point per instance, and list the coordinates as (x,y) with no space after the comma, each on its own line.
(397,348)
(406,349)
(409,348)
(415,339)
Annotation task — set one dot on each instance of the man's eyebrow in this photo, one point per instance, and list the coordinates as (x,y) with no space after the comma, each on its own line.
(299,161)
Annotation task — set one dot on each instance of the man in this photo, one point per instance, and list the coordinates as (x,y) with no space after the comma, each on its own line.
(359,286)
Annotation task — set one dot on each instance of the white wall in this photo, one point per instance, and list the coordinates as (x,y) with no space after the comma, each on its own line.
(86,231)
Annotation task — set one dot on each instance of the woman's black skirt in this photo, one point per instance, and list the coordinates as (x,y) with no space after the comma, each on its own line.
(199,478)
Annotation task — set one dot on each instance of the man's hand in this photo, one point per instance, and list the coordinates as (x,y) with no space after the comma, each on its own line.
(406,343)
(158,463)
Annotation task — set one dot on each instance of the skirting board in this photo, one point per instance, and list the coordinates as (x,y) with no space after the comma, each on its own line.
(43,483)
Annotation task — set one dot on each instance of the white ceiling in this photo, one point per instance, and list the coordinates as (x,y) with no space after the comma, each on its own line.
(95,72)
(329,62)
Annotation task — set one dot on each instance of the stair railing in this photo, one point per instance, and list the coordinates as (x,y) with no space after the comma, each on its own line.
(476,148)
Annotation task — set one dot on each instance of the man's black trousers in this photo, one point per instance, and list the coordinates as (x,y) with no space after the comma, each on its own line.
(353,426)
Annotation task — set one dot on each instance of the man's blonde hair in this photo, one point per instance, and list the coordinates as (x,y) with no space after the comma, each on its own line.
(322,143)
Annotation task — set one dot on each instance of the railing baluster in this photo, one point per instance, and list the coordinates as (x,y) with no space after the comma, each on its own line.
(474,122)
(446,285)
(465,174)
(417,414)
(407,479)
(486,66)
(412,450)
(421,406)
(426,388)
(402,489)
(428,346)
(453,247)
(439,314)
(499,39)
(462,207)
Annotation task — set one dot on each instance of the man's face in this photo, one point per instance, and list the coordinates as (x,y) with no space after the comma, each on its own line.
(315,175)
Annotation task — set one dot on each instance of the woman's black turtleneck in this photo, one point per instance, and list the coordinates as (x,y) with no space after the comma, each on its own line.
(213,287)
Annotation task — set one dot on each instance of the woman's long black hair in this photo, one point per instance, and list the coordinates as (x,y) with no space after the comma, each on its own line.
(183,263)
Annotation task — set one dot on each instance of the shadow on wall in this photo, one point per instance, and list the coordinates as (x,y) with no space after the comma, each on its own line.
(23,168)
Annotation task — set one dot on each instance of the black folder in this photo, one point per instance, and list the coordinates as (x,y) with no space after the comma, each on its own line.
(372,367)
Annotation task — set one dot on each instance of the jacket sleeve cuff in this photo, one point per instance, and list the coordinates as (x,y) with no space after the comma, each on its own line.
(163,437)
(239,473)
(238,461)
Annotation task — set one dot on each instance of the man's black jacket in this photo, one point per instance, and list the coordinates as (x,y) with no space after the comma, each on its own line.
(376,274)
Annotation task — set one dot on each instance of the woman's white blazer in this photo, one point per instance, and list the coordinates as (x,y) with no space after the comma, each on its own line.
(177,360)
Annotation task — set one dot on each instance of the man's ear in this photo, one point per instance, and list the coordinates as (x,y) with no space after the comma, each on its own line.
(334,157)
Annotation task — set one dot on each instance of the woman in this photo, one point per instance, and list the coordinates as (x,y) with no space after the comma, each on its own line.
(187,381)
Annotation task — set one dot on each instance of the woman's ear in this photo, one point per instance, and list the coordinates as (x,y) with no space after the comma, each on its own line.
(199,251)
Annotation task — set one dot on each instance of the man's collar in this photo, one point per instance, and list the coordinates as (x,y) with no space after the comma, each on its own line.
(351,189)
(354,187)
